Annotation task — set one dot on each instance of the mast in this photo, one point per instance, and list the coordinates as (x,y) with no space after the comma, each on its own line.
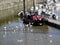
(24,6)
(34,4)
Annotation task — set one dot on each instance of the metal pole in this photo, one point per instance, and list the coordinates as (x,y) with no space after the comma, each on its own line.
(34,4)
(24,6)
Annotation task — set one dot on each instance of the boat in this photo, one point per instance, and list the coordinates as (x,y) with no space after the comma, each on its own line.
(33,19)
(36,16)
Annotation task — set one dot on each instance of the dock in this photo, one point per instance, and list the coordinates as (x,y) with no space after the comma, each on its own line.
(52,22)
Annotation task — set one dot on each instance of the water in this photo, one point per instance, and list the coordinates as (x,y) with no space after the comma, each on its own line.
(16,33)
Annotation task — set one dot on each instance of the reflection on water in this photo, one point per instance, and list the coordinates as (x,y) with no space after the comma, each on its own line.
(7,20)
(16,33)
(37,29)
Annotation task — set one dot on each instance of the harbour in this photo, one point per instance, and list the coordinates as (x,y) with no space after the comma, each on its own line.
(14,32)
